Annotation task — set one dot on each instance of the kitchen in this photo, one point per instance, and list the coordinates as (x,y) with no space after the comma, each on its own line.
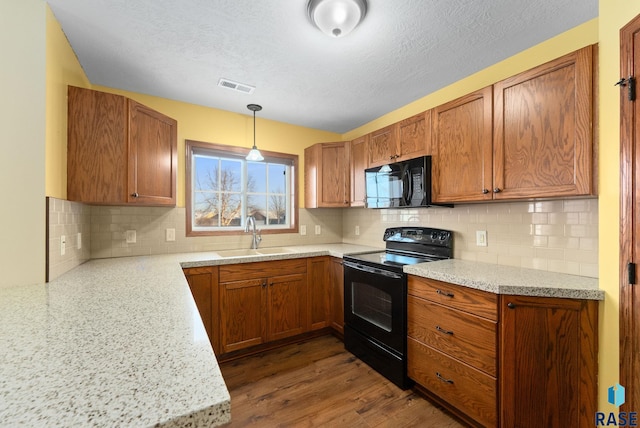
(40,125)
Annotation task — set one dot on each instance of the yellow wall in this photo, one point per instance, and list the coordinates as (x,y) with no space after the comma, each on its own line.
(22,163)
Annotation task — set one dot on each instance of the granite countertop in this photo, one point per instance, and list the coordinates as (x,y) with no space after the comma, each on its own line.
(509,280)
(116,342)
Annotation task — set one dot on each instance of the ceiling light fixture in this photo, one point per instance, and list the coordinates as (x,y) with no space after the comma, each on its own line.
(254,154)
(336,18)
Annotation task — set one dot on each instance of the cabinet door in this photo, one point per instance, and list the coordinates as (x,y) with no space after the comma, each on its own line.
(462,141)
(336,280)
(319,292)
(96,147)
(286,307)
(242,314)
(414,136)
(358,160)
(548,362)
(153,156)
(543,143)
(203,283)
(383,145)
(326,175)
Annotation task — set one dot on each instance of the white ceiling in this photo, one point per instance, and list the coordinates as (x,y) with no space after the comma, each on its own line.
(402,51)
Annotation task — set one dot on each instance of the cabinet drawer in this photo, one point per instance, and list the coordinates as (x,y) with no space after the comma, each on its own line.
(463,336)
(464,387)
(241,271)
(465,299)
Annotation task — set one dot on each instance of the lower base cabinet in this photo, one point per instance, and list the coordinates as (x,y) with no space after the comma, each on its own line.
(203,282)
(336,284)
(548,362)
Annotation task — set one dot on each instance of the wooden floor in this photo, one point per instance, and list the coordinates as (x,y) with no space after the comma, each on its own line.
(318,384)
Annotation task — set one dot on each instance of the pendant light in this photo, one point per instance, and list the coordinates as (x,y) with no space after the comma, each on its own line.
(254,154)
(336,18)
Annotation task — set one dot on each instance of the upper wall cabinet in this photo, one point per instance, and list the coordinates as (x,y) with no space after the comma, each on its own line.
(543,130)
(326,175)
(358,150)
(407,139)
(462,148)
(119,151)
(528,136)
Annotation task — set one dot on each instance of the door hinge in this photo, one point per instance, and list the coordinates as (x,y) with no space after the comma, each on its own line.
(630,83)
(631,272)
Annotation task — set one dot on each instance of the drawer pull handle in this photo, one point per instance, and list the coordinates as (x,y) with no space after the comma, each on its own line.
(439,376)
(444,293)
(442,330)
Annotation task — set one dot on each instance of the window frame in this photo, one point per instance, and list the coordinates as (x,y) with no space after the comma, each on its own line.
(241,152)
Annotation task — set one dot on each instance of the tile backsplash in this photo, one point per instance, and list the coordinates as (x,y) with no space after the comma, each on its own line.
(556,235)
(73,221)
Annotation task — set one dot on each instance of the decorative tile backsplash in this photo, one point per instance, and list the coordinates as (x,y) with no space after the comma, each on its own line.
(73,221)
(556,235)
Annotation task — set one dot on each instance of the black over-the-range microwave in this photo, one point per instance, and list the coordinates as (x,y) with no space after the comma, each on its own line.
(399,185)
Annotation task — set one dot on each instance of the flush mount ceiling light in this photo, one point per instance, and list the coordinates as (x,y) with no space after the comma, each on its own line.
(254,154)
(336,18)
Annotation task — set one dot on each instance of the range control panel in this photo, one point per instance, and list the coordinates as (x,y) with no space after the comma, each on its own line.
(422,235)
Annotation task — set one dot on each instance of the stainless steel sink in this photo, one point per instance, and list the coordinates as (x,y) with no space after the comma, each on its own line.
(245,252)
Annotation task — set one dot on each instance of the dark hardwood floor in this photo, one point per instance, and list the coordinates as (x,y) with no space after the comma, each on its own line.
(317,383)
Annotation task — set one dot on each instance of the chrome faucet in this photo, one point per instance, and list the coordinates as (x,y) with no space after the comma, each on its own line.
(257,237)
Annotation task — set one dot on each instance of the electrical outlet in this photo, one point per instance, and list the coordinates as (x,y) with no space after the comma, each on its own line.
(303,229)
(63,245)
(318,229)
(170,234)
(131,236)
(481,238)
(357,230)
(79,242)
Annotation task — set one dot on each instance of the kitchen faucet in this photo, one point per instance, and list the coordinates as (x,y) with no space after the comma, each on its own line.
(251,223)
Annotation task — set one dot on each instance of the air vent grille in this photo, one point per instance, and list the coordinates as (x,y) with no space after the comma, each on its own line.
(236,86)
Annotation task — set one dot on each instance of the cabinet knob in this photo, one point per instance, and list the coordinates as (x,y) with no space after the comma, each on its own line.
(497,190)
(134,194)
(264,284)
(511,305)
(485,191)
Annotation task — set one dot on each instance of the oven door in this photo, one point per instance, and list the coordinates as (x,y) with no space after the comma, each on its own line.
(375,304)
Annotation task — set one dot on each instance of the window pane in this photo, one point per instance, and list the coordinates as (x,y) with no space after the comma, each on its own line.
(277,178)
(230,209)
(257,177)
(277,209)
(206,209)
(231,175)
(257,207)
(206,172)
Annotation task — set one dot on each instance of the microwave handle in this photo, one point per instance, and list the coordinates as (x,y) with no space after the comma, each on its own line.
(407,188)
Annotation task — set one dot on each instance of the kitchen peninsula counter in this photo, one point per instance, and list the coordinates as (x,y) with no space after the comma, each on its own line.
(500,279)
(117,342)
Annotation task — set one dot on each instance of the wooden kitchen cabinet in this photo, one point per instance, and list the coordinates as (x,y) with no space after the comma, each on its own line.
(358,152)
(452,347)
(326,175)
(543,133)
(528,136)
(119,151)
(319,292)
(203,282)
(336,284)
(262,302)
(407,139)
(462,149)
(548,361)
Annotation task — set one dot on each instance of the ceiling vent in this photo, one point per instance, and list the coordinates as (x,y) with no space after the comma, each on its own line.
(240,87)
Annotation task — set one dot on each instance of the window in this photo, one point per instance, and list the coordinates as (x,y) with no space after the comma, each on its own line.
(223,189)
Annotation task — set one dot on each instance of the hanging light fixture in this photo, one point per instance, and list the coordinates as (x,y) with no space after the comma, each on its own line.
(254,154)
(336,18)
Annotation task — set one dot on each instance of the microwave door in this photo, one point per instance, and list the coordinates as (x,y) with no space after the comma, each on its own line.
(407,188)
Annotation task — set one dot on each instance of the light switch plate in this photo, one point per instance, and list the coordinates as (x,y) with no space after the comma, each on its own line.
(357,230)
(131,236)
(170,234)
(63,245)
(303,229)
(79,243)
(318,229)
(481,238)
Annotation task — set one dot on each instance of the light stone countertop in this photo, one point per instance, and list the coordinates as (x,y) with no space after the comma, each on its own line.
(509,280)
(116,342)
